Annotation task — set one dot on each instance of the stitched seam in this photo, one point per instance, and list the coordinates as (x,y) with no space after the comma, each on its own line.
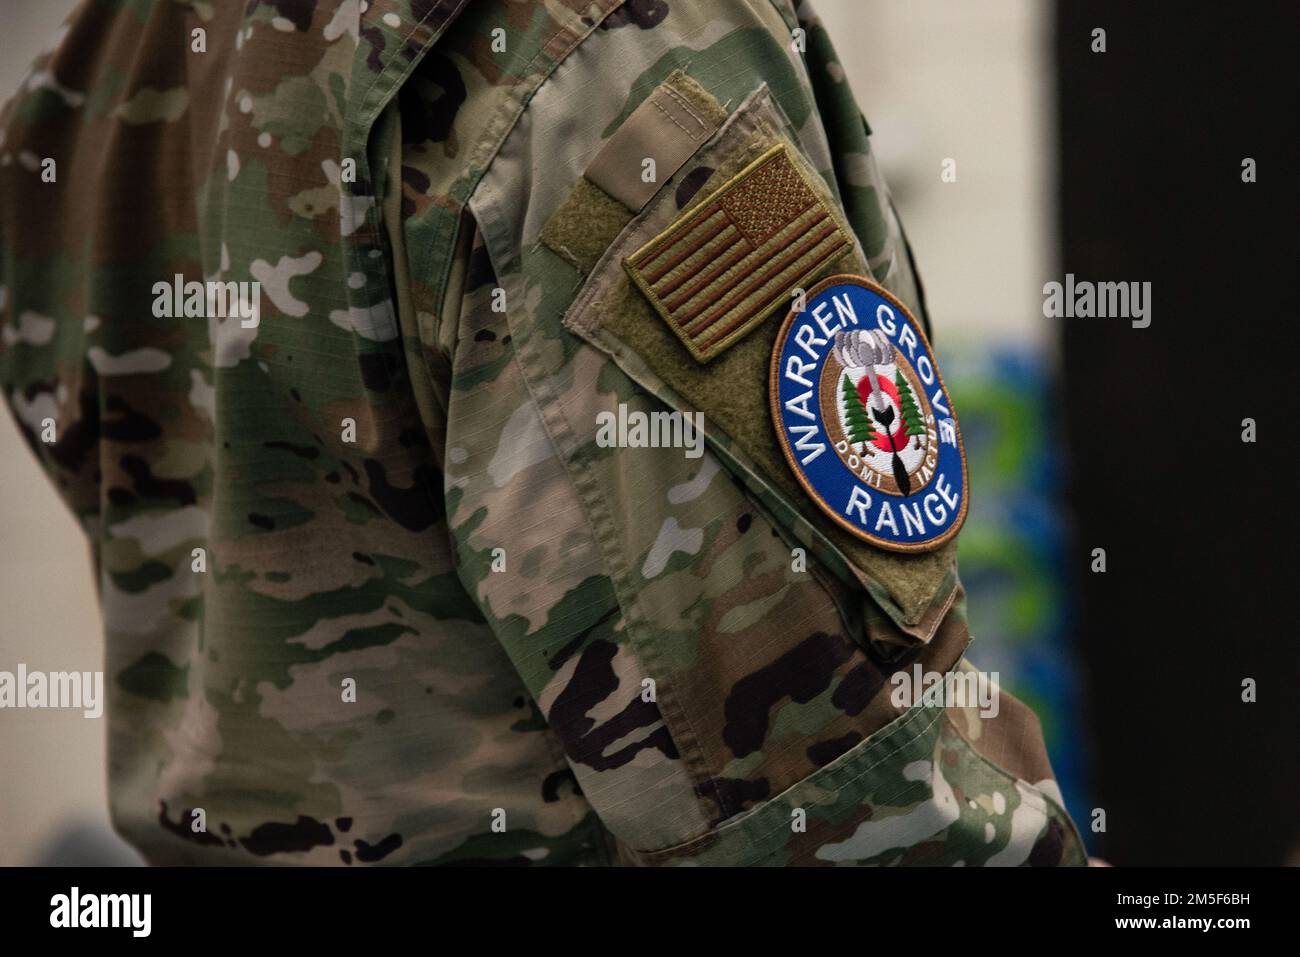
(700,765)
(404,72)
(557,427)
(681,101)
(672,119)
(488,150)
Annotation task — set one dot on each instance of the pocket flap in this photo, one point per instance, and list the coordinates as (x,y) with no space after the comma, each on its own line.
(627,310)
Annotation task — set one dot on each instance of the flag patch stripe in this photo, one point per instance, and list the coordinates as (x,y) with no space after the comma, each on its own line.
(691,318)
(722,279)
(682,250)
(825,248)
(730,246)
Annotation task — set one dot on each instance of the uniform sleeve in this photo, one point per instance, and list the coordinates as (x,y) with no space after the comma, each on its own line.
(720,662)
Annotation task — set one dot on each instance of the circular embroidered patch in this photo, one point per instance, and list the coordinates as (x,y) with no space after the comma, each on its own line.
(864,418)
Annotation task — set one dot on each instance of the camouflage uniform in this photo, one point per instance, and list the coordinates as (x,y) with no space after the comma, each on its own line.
(561,652)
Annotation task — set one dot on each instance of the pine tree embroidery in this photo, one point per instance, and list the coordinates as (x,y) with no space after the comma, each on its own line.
(856,422)
(911,415)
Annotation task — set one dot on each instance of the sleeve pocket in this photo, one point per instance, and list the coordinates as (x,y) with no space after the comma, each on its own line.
(914,793)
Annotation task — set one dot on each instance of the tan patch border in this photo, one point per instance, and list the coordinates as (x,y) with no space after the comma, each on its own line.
(775,408)
(632,263)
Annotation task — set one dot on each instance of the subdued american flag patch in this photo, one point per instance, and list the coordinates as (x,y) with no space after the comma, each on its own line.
(719,271)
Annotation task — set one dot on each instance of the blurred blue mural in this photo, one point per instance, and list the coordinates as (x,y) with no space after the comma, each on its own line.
(1012,549)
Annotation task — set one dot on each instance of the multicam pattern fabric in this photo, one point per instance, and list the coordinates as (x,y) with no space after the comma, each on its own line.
(372,592)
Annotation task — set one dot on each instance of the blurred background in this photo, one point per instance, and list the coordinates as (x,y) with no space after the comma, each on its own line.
(1120,166)
(53,763)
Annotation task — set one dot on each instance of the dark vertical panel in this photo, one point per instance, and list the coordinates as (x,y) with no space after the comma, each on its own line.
(1199,529)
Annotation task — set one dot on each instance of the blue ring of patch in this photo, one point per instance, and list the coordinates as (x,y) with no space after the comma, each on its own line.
(940,505)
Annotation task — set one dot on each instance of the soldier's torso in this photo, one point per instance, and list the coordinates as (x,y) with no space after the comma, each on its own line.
(375,588)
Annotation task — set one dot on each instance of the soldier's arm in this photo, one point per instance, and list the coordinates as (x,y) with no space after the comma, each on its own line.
(711,643)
